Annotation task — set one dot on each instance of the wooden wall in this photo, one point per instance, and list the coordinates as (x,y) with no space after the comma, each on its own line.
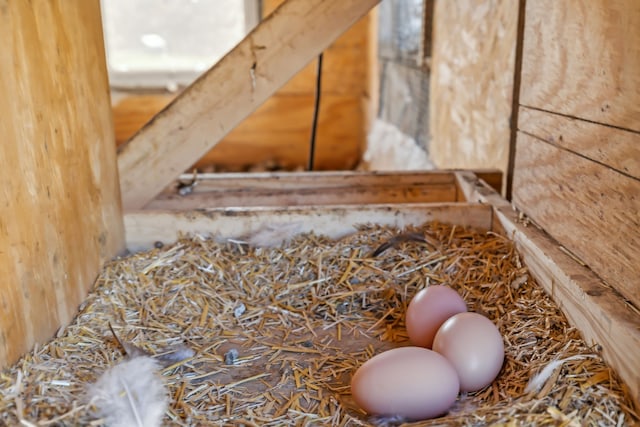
(577,158)
(278,132)
(60,215)
(472,83)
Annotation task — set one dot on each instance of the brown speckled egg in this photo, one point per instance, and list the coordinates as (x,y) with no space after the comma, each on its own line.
(428,310)
(474,346)
(412,382)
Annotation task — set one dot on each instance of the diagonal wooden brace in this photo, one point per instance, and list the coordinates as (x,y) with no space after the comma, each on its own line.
(231,90)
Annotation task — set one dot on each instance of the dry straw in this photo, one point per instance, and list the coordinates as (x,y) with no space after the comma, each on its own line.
(278,332)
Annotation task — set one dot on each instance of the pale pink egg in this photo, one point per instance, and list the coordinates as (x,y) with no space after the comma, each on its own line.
(473,344)
(428,310)
(411,382)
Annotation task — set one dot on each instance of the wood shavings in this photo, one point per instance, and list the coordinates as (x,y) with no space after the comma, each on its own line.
(314,310)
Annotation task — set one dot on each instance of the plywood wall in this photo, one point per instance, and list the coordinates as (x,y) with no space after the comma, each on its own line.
(577,160)
(278,132)
(60,215)
(472,83)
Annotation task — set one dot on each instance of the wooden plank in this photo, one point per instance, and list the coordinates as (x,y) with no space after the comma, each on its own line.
(315,188)
(315,180)
(582,59)
(60,215)
(593,210)
(599,312)
(348,195)
(616,148)
(474,187)
(266,226)
(472,83)
(205,112)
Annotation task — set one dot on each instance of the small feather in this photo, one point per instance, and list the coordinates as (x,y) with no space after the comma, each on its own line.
(130,350)
(537,381)
(130,394)
(387,420)
(176,355)
(276,234)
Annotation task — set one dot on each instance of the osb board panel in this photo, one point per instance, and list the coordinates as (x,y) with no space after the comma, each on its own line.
(615,148)
(473,63)
(60,215)
(582,59)
(591,209)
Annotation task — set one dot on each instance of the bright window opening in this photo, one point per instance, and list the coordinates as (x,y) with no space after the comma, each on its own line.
(168,43)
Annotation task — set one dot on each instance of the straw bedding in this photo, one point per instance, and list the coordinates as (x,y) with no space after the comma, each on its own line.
(271,336)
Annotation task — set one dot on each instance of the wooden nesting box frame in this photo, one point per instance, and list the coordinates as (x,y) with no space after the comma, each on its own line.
(327,203)
(603,317)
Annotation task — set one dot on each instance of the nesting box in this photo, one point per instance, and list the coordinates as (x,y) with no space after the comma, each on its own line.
(574,217)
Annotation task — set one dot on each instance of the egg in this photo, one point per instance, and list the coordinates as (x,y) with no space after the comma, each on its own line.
(411,382)
(428,310)
(473,344)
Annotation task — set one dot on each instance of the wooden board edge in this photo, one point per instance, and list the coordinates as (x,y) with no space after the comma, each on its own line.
(271,226)
(601,314)
(473,189)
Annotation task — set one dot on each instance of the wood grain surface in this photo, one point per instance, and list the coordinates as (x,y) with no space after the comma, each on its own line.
(591,209)
(310,189)
(597,310)
(60,215)
(472,81)
(615,148)
(582,59)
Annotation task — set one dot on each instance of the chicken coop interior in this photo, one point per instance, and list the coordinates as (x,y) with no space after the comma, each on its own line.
(217,212)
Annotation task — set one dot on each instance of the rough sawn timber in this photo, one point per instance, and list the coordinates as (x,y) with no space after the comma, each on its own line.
(213,105)
(60,216)
(591,209)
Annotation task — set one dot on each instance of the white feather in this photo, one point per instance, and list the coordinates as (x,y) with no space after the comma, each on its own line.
(538,380)
(274,235)
(130,394)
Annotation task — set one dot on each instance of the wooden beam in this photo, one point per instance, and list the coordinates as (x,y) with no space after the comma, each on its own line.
(310,189)
(204,113)
(270,226)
